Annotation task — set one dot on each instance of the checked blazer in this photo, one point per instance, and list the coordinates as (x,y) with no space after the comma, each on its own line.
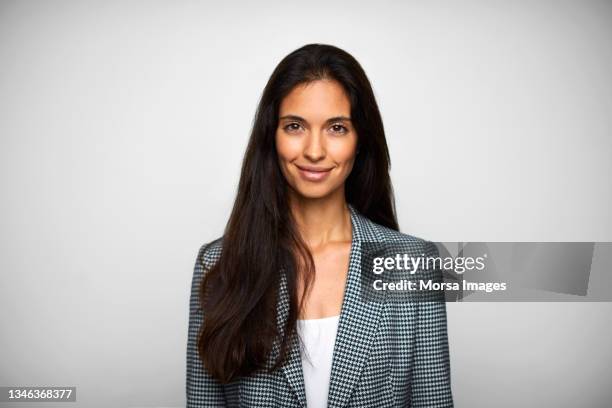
(387,353)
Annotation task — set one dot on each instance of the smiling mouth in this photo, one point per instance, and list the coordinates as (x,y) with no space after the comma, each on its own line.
(310,173)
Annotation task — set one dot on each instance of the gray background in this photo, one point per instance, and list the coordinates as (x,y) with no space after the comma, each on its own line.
(122,128)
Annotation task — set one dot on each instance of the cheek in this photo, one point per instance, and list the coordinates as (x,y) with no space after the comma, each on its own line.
(286,148)
(343,151)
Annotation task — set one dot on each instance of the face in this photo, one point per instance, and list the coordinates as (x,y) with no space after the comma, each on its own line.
(315,140)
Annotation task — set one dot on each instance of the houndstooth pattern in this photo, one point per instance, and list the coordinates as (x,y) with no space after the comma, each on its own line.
(387,353)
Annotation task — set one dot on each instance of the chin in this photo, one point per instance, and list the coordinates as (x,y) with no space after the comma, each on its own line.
(313,191)
(312,194)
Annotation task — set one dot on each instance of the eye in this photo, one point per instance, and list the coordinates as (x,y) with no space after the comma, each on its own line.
(338,128)
(292,127)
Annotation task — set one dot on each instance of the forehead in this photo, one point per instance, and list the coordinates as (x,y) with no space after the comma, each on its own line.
(318,99)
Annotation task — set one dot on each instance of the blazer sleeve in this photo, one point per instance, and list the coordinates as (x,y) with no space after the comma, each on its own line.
(431,385)
(202,389)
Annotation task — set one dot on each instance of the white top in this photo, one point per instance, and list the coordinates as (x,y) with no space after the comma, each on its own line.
(318,337)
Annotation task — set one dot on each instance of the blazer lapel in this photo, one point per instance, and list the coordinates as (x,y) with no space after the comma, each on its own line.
(358,324)
(293,366)
(359,320)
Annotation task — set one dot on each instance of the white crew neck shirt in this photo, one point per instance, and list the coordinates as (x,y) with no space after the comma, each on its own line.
(318,337)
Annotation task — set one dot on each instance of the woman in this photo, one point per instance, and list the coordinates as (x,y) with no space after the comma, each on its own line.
(276,317)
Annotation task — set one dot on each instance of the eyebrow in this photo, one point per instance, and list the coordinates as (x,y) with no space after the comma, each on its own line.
(301,119)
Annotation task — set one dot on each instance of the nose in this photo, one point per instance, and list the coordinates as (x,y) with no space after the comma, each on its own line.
(314,150)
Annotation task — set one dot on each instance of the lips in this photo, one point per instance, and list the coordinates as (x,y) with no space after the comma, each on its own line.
(313,173)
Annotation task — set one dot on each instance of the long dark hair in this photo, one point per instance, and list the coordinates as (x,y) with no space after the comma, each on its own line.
(238,294)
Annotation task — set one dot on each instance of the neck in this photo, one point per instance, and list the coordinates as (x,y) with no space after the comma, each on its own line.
(322,220)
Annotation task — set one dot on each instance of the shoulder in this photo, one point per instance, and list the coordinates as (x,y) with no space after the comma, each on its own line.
(394,242)
(409,242)
(209,253)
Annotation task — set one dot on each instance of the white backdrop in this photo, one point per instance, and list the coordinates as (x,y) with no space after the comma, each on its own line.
(122,129)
